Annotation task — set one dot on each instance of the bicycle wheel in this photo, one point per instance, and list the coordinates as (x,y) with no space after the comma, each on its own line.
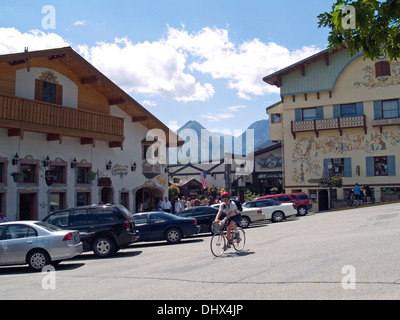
(239,239)
(218,244)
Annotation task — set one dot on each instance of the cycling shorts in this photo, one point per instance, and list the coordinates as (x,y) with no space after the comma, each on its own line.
(235,219)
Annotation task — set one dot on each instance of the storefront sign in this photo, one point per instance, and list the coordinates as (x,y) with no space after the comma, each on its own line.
(119,170)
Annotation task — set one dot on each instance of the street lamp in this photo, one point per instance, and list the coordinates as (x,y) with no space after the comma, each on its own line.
(330,167)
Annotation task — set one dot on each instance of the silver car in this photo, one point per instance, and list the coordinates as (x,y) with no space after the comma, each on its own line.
(37,244)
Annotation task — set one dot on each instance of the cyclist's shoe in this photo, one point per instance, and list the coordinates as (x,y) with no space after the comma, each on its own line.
(229,244)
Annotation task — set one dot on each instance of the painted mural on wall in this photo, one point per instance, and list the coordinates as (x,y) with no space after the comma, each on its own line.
(308,151)
(370,81)
(270,163)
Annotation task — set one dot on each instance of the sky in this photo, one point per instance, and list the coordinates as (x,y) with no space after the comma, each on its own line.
(182,60)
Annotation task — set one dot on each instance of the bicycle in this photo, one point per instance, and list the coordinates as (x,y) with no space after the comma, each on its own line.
(218,244)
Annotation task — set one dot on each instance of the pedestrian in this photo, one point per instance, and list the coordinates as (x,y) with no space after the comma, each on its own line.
(166,205)
(368,193)
(2,217)
(177,206)
(357,193)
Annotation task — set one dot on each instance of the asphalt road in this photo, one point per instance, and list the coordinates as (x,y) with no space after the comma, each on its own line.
(351,254)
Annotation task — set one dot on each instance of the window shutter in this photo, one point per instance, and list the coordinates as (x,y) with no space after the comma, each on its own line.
(370,167)
(360,109)
(391,163)
(347,168)
(336,111)
(320,113)
(378,109)
(298,115)
(38,90)
(59,94)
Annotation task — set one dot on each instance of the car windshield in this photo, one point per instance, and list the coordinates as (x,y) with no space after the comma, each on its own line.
(47,226)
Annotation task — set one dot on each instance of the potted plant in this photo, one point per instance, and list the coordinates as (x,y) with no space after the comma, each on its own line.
(18,176)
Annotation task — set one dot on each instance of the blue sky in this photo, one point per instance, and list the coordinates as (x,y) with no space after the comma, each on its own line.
(181,59)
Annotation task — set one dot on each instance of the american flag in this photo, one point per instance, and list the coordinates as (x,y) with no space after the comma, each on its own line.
(203,177)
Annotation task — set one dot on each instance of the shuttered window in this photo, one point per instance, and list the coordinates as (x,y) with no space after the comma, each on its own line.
(48,92)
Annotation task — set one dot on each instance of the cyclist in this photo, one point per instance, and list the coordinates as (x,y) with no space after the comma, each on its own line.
(232,215)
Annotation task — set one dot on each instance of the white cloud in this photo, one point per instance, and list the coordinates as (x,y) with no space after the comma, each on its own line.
(13,41)
(236,108)
(170,67)
(149,103)
(211,117)
(80,23)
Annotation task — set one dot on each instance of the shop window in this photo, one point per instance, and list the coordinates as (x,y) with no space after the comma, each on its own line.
(83,199)
(57,201)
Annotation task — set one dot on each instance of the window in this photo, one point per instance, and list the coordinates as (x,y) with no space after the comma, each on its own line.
(276,118)
(390,109)
(82,175)
(30,174)
(57,201)
(381,166)
(82,199)
(59,173)
(48,92)
(19,232)
(349,110)
(59,219)
(284,198)
(80,217)
(309,114)
(125,199)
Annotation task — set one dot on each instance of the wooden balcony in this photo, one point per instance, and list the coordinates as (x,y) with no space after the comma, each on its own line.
(386,122)
(329,124)
(19,115)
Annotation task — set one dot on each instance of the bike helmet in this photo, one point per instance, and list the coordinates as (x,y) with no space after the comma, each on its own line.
(225,195)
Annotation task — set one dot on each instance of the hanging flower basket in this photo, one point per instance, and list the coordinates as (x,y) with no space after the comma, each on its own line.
(92,176)
(18,176)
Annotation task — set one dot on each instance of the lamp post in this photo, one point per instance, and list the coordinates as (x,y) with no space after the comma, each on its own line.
(330,167)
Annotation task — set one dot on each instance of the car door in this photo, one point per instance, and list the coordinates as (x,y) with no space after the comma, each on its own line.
(82,220)
(18,240)
(268,208)
(142,224)
(158,225)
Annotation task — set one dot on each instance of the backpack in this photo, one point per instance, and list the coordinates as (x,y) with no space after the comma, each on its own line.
(238,205)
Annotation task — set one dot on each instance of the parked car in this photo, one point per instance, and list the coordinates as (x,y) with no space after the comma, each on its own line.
(154,226)
(302,203)
(102,228)
(37,244)
(272,210)
(300,200)
(205,216)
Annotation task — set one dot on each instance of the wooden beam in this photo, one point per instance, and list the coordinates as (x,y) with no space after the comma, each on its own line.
(140,119)
(303,70)
(116,144)
(116,101)
(58,56)
(91,141)
(17,62)
(12,132)
(54,137)
(326,57)
(89,80)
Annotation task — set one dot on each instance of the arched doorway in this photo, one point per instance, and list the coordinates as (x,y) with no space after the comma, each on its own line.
(107,195)
(147,199)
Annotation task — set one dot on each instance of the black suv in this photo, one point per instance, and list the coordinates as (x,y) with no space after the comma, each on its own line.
(204,215)
(102,228)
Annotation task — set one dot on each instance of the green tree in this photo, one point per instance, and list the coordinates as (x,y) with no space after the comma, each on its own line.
(374,29)
(173,191)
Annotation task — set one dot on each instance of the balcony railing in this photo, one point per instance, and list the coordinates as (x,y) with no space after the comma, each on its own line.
(29,115)
(329,124)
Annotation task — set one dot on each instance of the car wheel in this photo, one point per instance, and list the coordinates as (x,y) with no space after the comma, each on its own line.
(302,211)
(173,236)
(278,216)
(103,247)
(244,222)
(37,260)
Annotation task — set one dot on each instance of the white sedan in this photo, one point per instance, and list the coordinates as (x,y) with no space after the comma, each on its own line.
(37,244)
(270,209)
